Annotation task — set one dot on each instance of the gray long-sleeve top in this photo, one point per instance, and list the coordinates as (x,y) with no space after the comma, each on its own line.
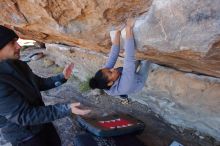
(22,111)
(129,81)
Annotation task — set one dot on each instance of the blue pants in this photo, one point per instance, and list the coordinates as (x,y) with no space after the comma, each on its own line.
(144,69)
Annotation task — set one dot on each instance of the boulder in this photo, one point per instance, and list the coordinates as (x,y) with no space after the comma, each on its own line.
(177,33)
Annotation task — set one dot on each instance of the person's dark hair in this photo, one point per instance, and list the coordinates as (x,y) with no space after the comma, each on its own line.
(6,35)
(99,81)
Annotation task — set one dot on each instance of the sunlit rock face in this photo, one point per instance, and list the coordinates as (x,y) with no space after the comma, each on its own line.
(85,23)
(177,33)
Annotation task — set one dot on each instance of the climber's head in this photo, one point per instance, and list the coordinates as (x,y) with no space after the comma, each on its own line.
(104,78)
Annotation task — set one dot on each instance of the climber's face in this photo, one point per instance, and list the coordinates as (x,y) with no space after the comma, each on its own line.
(11,50)
(112,74)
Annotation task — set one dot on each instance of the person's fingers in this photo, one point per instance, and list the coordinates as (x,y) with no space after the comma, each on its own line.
(117,33)
(81,111)
(78,111)
(84,112)
(70,68)
(130,22)
(71,65)
(75,104)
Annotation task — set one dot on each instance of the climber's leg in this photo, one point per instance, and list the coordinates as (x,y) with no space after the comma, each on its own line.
(144,70)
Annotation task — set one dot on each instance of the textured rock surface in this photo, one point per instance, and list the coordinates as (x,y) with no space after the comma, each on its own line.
(80,22)
(178,33)
(183,34)
(183,99)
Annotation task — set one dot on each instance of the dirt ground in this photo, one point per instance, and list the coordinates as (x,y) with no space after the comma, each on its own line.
(157,132)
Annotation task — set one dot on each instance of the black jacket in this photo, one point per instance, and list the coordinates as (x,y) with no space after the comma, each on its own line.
(22,111)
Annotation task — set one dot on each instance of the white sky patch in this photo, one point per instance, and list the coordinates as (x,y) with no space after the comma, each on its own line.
(23,42)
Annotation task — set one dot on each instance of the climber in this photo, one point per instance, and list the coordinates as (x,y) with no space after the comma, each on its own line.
(123,80)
